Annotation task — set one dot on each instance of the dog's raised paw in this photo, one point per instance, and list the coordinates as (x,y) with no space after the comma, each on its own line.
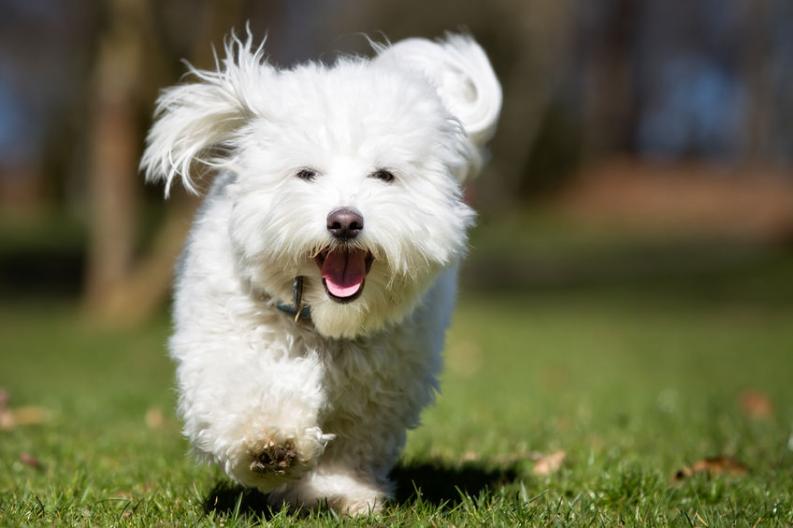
(274,458)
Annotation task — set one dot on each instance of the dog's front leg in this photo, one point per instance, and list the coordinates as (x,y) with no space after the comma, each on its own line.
(253,412)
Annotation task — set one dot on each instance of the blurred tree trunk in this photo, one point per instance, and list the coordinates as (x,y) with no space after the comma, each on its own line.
(541,30)
(757,73)
(112,178)
(121,289)
(609,94)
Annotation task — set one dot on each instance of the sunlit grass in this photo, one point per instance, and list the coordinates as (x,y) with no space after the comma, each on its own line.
(631,387)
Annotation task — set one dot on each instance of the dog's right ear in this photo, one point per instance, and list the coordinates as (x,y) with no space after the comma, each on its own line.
(195,123)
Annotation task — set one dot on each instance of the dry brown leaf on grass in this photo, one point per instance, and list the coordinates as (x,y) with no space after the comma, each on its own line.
(548,464)
(717,465)
(21,416)
(154,418)
(544,464)
(27,415)
(470,456)
(30,460)
(756,405)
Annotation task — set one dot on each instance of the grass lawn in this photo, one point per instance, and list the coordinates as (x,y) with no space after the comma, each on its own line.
(633,384)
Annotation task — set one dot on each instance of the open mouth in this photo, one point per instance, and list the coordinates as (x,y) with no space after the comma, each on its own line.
(344,272)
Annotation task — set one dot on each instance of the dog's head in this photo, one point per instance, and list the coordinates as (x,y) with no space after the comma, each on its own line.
(349,176)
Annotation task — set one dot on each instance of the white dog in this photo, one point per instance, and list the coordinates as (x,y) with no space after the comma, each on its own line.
(315,288)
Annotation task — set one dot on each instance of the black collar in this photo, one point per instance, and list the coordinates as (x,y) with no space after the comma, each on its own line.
(297,310)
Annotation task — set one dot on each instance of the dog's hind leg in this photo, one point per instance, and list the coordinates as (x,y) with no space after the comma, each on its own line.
(346,491)
(351,476)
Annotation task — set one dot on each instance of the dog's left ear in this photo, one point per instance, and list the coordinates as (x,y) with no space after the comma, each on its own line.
(462,75)
(195,123)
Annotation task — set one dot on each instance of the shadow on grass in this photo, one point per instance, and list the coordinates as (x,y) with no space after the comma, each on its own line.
(433,483)
(229,499)
(439,484)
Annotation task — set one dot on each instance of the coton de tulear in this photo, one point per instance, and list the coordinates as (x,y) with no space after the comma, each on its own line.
(319,277)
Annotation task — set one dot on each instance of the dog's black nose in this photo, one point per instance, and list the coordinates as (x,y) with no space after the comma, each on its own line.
(345,223)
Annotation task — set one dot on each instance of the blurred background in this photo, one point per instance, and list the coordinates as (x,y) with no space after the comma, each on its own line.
(644,144)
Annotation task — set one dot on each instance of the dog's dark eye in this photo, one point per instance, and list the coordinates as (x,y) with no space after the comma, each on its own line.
(306,174)
(382,174)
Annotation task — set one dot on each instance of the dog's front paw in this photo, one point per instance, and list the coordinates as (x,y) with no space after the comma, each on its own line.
(274,458)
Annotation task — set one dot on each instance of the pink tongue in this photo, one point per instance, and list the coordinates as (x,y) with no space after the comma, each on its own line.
(344,272)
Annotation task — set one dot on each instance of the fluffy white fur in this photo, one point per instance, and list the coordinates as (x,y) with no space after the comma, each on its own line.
(342,390)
